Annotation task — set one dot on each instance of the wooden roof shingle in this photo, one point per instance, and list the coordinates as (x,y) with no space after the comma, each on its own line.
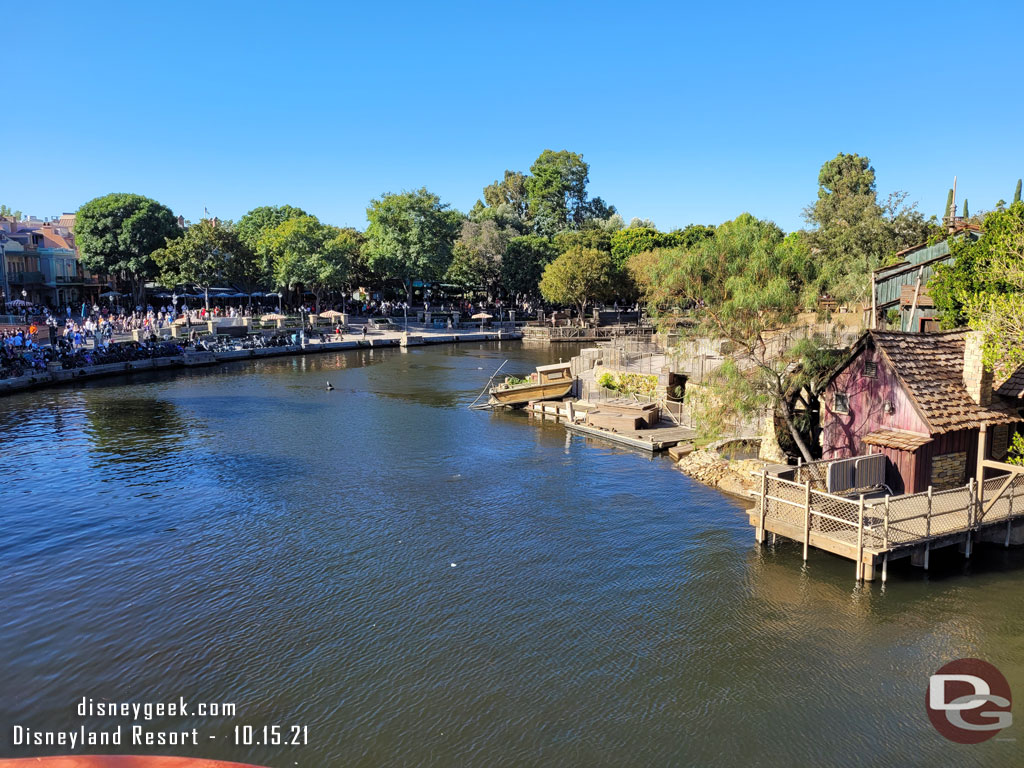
(930,366)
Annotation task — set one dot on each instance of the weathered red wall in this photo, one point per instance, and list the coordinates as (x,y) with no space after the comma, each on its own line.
(841,432)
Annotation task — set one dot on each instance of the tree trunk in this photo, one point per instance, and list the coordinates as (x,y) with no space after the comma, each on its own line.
(787,414)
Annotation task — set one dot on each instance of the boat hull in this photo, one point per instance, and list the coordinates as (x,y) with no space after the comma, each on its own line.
(528,393)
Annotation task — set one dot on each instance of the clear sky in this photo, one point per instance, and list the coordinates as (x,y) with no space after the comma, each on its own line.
(686,112)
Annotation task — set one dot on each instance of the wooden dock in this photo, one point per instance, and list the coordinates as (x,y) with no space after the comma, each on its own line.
(654,440)
(874,531)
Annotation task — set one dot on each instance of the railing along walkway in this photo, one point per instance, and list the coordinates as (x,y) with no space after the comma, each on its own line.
(868,529)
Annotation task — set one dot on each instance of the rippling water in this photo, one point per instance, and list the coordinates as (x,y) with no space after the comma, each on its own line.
(239,534)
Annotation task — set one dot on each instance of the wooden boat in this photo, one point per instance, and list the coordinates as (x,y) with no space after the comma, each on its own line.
(550,382)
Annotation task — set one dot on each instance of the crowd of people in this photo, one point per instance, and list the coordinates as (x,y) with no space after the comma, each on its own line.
(85,335)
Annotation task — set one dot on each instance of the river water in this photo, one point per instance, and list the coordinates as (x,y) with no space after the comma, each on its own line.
(420,584)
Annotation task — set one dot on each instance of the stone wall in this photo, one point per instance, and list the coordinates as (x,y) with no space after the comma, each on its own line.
(949,471)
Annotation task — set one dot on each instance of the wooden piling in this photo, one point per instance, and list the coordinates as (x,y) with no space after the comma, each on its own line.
(860,539)
(807,517)
(972,517)
(928,530)
(764,504)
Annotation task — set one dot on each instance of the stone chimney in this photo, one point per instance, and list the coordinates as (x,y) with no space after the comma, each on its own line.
(977,379)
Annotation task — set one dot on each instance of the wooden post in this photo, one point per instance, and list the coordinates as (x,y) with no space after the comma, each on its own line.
(568,412)
(764,506)
(807,517)
(979,472)
(972,517)
(928,529)
(885,523)
(874,311)
(885,567)
(860,539)
(917,292)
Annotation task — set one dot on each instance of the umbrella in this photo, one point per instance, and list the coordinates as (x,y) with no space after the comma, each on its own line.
(20,303)
(258,293)
(238,295)
(273,316)
(481,316)
(332,313)
(162,296)
(110,294)
(273,295)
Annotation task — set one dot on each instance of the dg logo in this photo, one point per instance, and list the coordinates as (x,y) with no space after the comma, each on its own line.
(969,701)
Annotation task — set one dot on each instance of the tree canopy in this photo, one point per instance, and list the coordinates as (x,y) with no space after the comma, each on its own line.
(312,255)
(117,234)
(577,277)
(745,284)
(411,236)
(207,253)
(853,232)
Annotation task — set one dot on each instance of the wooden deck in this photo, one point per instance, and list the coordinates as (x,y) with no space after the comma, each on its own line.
(872,532)
(656,439)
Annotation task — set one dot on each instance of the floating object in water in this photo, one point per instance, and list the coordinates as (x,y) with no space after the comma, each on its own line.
(330,387)
(453,565)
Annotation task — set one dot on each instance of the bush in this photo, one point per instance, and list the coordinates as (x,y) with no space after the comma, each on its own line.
(607,381)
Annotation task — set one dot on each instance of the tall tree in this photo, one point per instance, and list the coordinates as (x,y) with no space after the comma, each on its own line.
(523,264)
(557,191)
(510,191)
(577,277)
(745,284)
(947,212)
(255,224)
(311,255)
(411,236)
(854,232)
(209,252)
(1016,192)
(117,234)
(477,256)
(966,215)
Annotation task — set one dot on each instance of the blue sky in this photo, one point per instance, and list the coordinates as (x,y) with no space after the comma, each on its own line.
(686,113)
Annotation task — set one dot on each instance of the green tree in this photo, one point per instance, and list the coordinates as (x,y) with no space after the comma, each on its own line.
(557,191)
(966,215)
(854,232)
(207,253)
(7,212)
(991,287)
(510,191)
(411,236)
(117,234)
(255,224)
(477,256)
(1016,192)
(577,277)
(523,264)
(947,212)
(745,285)
(311,255)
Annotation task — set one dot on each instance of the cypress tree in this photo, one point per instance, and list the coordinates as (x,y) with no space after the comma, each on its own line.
(946,212)
(1016,194)
(966,214)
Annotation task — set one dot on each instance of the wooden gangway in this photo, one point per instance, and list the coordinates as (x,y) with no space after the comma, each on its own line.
(874,529)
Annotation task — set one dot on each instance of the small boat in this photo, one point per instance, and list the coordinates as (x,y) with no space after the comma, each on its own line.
(549,382)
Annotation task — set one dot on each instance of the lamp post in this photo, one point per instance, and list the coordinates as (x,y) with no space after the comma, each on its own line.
(3,273)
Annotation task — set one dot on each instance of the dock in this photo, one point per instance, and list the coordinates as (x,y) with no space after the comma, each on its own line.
(654,440)
(873,530)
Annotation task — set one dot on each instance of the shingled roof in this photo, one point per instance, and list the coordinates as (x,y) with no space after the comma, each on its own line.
(1013,387)
(930,367)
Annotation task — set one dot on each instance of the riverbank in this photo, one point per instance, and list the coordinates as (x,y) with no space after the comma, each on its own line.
(193,358)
